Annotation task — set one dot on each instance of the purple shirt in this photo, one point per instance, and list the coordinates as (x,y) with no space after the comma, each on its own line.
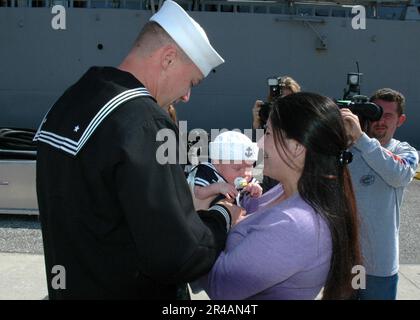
(282,252)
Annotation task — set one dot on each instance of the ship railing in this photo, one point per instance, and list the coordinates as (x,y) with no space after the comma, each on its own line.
(394,10)
(111,4)
(386,9)
(276,7)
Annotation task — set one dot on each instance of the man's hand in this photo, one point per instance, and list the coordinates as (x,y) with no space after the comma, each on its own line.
(254,190)
(236,213)
(352,125)
(228,190)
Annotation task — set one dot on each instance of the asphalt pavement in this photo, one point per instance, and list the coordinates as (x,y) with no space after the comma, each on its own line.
(22,271)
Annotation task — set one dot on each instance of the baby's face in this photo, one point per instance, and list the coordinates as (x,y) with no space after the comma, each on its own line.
(233,170)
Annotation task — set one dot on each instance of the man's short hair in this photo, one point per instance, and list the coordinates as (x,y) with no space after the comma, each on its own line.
(390,95)
(153,37)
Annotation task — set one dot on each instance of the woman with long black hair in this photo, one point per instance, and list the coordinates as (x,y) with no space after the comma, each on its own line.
(302,235)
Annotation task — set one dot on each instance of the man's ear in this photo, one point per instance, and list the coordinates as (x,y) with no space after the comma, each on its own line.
(168,56)
(401,120)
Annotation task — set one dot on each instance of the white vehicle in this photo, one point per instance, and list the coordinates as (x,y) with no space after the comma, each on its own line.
(17,172)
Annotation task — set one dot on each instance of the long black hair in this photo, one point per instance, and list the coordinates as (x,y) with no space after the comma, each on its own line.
(316,123)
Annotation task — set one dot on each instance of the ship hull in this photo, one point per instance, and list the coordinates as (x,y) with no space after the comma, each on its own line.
(38,63)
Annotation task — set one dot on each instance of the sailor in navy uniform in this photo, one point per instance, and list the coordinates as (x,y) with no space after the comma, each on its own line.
(119,223)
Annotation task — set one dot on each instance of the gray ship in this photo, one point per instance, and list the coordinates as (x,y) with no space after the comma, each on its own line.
(314,42)
(46,45)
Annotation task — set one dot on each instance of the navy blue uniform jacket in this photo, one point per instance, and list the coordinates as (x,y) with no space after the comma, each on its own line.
(121,224)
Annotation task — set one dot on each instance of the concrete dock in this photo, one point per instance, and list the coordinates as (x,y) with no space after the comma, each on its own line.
(22,270)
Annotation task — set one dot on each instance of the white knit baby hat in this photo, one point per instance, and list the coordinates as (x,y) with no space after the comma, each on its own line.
(233,145)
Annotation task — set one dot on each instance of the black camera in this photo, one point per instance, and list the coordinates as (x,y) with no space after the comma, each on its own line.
(275,91)
(358,104)
(365,110)
(265,112)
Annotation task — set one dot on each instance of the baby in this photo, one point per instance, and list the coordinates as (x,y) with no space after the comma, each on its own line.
(229,174)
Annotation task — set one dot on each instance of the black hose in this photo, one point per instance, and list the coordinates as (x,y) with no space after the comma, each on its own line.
(17,139)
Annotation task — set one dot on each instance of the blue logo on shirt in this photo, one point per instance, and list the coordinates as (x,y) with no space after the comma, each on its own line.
(367,180)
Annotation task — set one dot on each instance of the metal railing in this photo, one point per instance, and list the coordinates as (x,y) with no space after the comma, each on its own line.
(304,9)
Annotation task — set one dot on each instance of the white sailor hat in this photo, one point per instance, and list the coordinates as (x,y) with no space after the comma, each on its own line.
(189,35)
(233,145)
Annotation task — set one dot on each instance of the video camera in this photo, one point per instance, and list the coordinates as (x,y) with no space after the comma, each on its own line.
(361,107)
(359,104)
(275,91)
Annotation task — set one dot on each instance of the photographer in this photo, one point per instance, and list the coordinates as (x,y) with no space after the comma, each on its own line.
(280,87)
(381,169)
(285,86)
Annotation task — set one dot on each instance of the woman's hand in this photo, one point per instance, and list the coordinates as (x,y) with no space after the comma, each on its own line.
(228,190)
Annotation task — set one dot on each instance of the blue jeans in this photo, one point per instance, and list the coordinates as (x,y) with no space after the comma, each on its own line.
(379,288)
